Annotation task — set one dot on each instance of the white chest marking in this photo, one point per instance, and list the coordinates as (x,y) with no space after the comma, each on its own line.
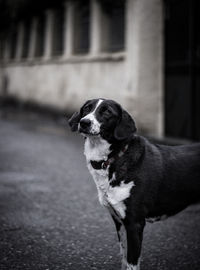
(116,196)
(98,149)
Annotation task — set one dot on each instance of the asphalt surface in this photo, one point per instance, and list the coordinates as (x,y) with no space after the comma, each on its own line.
(50,217)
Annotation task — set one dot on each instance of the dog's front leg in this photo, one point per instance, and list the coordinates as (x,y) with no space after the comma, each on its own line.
(121,233)
(134,234)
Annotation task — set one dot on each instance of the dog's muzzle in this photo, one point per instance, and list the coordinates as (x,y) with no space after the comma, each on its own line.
(89,127)
(85,126)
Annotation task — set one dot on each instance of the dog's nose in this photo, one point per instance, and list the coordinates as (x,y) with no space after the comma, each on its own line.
(85,123)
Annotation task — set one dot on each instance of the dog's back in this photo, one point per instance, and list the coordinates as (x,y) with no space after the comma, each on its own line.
(173,179)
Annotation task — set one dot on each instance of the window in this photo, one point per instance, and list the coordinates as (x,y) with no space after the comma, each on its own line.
(26,39)
(113,26)
(81,27)
(2,44)
(58,32)
(13,42)
(40,34)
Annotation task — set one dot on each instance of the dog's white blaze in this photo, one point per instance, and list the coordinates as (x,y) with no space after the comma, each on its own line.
(95,125)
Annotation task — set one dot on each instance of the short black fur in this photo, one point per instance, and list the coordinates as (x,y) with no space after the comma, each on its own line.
(166,178)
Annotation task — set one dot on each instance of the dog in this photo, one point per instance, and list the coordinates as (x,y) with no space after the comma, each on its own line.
(137,181)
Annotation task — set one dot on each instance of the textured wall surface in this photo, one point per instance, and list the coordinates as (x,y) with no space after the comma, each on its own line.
(134,78)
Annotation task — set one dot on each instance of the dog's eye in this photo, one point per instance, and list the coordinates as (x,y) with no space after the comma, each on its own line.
(105,111)
(87,109)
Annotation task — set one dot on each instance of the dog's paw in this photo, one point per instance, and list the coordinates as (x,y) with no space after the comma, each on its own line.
(132,267)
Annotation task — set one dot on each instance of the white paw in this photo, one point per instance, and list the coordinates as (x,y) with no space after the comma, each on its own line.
(131,267)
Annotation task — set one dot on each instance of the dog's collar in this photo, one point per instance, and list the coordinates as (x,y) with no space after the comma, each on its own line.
(103,164)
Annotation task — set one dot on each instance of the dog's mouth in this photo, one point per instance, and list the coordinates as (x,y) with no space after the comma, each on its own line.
(88,133)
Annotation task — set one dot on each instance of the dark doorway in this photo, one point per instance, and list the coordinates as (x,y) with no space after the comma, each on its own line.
(182,69)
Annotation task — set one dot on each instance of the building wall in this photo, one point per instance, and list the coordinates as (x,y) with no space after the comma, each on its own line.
(66,85)
(146,58)
(132,76)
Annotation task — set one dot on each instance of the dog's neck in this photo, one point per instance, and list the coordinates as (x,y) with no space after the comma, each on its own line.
(96,148)
(100,153)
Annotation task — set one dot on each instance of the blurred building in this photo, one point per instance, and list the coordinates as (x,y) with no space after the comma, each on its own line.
(143,53)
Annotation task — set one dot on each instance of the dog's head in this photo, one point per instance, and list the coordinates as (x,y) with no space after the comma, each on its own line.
(105,118)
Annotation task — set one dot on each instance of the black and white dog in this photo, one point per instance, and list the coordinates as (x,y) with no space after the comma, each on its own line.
(136,180)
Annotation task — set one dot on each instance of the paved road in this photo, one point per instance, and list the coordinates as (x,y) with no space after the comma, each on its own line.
(50,217)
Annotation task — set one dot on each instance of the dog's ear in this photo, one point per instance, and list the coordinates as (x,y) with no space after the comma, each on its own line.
(76,117)
(125,127)
(74,121)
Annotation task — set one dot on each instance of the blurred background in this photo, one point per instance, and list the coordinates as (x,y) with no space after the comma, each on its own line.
(144,54)
(56,54)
